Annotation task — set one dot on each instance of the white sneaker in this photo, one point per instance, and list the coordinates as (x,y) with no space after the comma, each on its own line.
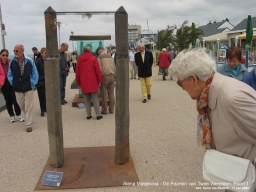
(13,119)
(21,119)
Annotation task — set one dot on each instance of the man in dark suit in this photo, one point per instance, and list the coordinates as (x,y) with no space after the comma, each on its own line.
(144,62)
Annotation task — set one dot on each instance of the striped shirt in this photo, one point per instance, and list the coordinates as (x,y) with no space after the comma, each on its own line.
(22,65)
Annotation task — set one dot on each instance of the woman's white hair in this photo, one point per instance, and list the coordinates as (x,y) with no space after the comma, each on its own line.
(141,45)
(192,62)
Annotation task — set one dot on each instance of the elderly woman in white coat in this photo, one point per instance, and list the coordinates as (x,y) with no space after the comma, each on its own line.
(226,107)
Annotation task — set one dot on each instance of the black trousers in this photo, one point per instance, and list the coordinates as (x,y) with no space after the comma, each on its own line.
(10,99)
(42,98)
(74,67)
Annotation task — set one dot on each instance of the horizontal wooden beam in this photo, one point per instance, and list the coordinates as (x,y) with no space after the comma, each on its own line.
(86,12)
(89,37)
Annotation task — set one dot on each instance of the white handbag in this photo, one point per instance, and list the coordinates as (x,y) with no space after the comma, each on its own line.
(225,171)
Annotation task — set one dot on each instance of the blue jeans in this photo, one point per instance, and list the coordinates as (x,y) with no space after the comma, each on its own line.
(63,78)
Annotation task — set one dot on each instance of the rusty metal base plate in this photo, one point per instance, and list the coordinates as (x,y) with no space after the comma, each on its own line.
(90,167)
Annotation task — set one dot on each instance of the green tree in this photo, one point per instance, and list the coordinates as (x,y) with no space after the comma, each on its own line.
(165,37)
(186,35)
(111,47)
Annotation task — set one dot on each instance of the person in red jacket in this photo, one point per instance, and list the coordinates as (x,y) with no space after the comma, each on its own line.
(164,63)
(89,79)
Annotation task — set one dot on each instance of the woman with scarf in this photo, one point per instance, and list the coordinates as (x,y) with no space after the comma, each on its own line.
(226,107)
(7,89)
(233,68)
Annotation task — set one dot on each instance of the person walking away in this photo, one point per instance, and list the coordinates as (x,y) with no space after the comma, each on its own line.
(41,81)
(73,61)
(64,69)
(7,89)
(164,63)
(89,79)
(144,62)
(108,70)
(132,64)
(23,75)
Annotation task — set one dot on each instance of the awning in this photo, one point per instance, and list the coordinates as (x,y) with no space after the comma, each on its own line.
(222,36)
(243,36)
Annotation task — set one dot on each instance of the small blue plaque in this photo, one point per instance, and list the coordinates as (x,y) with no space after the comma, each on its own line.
(81,105)
(52,178)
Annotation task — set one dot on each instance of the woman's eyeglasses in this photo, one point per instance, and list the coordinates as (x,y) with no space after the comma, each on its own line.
(180,82)
(4,55)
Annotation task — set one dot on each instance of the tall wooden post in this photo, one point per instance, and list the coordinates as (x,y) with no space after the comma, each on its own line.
(52,82)
(122,117)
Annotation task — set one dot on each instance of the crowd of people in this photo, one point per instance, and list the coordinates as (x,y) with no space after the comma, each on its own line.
(21,76)
(93,75)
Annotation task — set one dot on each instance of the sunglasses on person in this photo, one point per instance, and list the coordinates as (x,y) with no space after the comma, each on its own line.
(15,51)
(4,55)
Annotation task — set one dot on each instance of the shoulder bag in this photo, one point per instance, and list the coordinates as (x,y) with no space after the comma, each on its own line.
(228,172)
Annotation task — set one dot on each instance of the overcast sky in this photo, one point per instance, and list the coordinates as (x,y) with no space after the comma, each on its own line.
(24,20)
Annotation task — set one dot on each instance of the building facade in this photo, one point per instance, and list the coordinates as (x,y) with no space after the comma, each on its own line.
(134,32)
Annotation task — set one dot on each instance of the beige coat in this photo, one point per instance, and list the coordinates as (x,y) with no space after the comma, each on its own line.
(107,64)
(232,106)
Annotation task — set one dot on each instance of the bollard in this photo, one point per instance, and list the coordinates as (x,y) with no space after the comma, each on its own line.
(52,85)
(122,118)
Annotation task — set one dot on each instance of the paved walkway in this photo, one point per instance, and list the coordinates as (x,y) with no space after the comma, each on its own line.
(162,140)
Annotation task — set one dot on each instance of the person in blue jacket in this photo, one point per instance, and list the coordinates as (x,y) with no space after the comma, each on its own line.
(23,76)
(233,68)
(250,78)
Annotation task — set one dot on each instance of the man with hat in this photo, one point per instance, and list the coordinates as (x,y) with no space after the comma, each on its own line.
(108,70)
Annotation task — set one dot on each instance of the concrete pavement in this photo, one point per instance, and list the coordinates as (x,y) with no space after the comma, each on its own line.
(162,140)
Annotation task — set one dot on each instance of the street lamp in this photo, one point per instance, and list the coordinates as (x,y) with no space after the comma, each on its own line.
(236,40)
(59,24)
(72,33)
